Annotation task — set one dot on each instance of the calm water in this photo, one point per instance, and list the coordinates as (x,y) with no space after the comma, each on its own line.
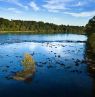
(61,70)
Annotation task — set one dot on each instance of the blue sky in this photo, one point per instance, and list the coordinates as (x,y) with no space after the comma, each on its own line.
(72,12)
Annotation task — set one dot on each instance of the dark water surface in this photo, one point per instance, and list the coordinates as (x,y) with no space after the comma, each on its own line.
(61,70)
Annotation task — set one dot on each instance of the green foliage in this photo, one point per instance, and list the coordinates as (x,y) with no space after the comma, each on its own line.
(33,27)
(90,27)
(91,40)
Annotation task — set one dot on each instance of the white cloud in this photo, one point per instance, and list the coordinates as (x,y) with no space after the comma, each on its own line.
(12,10)
(16,2)
(34,6)
(79,4)
(21,5)
(56,5)
(54,8)
(82,14)
(68,5)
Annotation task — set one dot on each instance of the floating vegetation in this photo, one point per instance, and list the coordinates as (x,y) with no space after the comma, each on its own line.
(28,62)
(29,68)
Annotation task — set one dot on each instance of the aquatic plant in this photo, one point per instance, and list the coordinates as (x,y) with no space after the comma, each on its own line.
(29,68)
(24,75)
(28,62)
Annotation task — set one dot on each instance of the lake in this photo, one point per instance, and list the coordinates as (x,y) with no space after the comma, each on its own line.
(61,70)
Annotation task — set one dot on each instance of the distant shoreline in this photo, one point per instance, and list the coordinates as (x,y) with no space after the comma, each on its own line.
(16,31)
(19,32)
(33,32)
(34,27)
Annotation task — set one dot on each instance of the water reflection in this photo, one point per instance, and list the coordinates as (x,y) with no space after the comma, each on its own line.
(90,58)
(90,54)
(41,38)
(61,68)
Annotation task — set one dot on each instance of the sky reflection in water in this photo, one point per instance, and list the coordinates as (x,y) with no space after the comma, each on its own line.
(60,70)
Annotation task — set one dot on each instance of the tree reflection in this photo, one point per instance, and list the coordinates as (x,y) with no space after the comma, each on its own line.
(90,57)
(91,54)
(29,69)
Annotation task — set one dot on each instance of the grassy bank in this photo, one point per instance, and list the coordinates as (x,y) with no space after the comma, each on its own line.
(33,32)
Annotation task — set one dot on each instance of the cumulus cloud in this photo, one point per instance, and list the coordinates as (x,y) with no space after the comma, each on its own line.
(34,6)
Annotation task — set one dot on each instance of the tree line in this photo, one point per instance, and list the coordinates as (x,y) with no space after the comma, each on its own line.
(90,26)
(33,27)
(90,30)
